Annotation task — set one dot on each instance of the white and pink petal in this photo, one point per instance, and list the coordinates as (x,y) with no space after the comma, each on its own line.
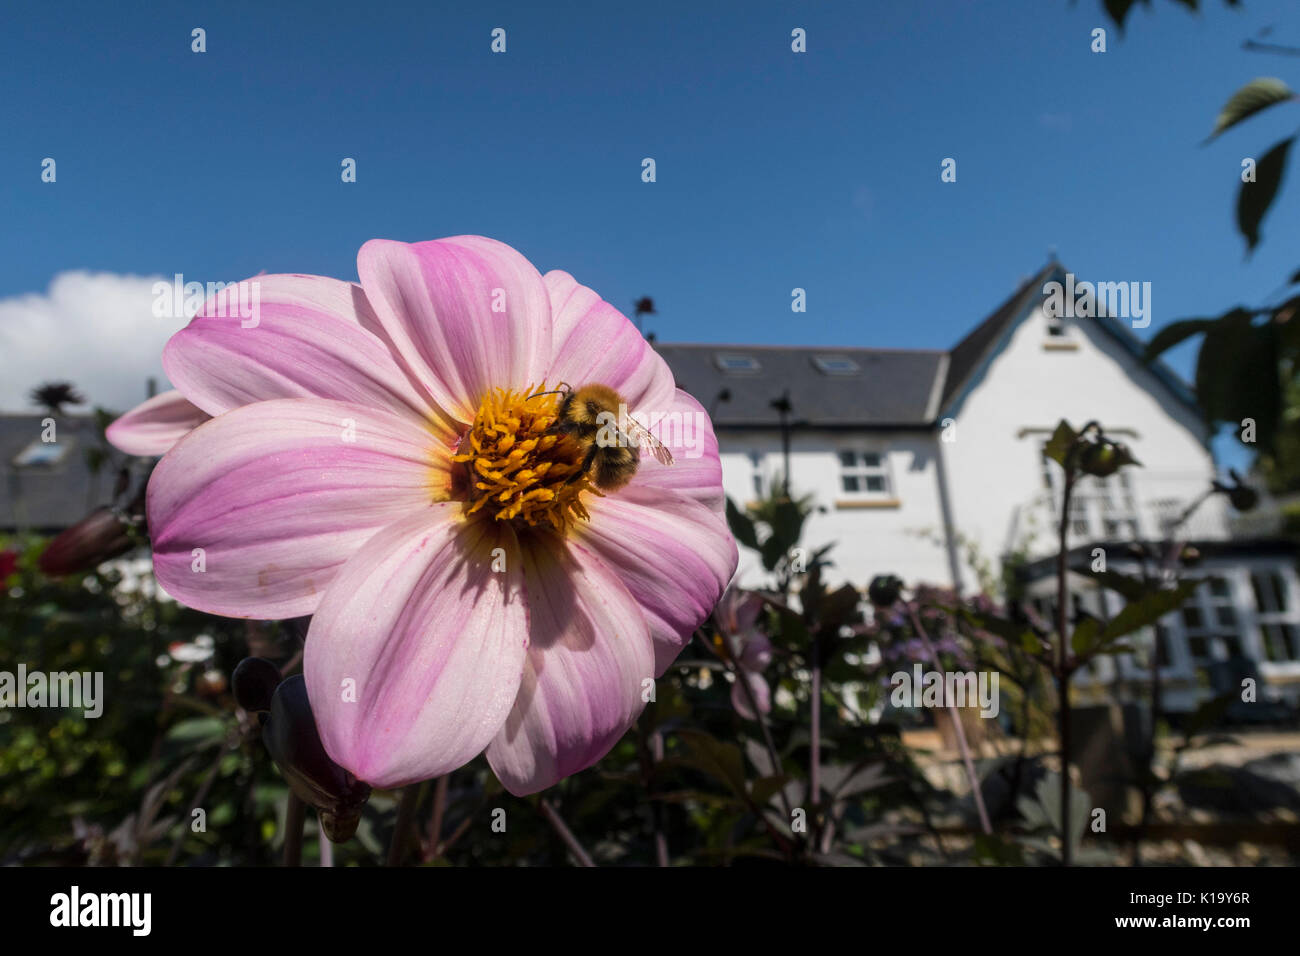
(467,315)
(252,513)
(154,426)
(696,470)
(674,555)
(290,336)
(594,342)
(413,660)
(589,662)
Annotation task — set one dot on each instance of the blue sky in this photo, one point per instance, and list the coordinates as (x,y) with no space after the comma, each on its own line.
(775,170)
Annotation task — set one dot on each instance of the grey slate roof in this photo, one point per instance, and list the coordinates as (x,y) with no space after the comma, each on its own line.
(48,498)
(892,388)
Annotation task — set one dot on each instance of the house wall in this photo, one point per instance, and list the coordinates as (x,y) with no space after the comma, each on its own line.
(995,465)
(901,535)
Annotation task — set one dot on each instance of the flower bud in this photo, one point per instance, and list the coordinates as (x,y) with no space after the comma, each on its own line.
(291,736)
(884,590)
(1103,458)
(253,683)
(96,538)
(1243,498)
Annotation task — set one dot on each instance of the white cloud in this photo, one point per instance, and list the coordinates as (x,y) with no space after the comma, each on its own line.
(96,330)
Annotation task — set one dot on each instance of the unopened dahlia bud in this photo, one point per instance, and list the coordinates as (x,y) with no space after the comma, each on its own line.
(295,745)
(884,589)
(96,538)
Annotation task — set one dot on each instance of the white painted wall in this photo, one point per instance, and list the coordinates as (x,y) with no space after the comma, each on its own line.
(868,541)
(993,471)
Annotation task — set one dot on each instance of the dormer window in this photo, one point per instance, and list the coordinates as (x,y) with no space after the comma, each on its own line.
(836,365)
(736,364)
(41,454)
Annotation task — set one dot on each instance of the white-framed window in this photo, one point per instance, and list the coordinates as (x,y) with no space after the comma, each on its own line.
(1210,626)
(864,474)
(1277,620)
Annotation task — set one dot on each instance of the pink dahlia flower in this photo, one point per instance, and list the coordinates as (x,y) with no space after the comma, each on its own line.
(750,649)
(380,457)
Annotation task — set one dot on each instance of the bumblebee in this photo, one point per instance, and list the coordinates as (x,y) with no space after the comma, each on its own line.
(612,443)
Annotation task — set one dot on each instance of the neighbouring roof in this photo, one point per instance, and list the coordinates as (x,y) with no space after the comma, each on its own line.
(891,388)
(47,486)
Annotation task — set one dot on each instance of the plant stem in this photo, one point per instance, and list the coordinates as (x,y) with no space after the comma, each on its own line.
(435,824)
(815,744)
(646,745)
(759,716)
(1062,669)
(295,815)
(564,833)
(960,731)
(406,805)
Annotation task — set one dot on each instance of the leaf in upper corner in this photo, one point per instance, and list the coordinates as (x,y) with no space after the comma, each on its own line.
(1174,333)
(1257,95)
(1254,198)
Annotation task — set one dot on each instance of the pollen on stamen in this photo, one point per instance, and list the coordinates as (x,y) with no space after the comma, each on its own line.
(519,470)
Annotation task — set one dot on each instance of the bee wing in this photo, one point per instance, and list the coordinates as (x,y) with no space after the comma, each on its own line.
(643,438)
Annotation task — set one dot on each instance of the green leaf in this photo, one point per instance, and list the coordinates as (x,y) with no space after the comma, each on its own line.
(1140,614)
(765,788)
(771,551)
(1254,198)
(1237,375)
(1174,333)
(1222,351)
(1131,589)
(1085,636)
(787,523)
(840,608)
(1061,441)
(1259,94)
(1118,10)
(716,759)
(741,525)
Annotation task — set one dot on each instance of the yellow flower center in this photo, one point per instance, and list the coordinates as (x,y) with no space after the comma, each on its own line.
(519,468)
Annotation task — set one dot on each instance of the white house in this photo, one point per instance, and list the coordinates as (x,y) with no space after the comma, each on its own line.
(928,464)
